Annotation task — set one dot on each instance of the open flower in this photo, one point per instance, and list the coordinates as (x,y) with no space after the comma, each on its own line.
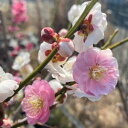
(7,85)
(96,72)
(91,29)
(38,98)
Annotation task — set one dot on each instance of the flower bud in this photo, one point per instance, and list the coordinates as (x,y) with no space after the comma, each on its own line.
(47,35)
(66,47)
(63,32)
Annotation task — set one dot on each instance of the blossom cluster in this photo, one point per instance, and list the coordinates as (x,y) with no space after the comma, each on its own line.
(19,11)
(93,72)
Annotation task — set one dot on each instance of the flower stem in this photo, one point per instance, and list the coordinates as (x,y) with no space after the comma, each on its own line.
(118,43)
(110,39)
(47,60)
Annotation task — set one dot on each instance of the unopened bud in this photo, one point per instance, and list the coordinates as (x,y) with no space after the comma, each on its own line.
(63,32)
(47,35)
(66,47)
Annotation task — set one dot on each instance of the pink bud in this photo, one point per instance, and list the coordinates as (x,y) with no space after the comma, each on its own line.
(66,48)
(47,35)
(63,32)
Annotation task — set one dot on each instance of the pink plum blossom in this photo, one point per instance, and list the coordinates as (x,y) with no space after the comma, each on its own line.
(19,11)
(96,72)
(29,46)
(38,98)
(13,28)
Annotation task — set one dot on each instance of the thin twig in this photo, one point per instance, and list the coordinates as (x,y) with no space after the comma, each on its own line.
(118,43)
(110,39)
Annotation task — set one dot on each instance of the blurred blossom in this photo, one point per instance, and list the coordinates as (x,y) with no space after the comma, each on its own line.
(91,29)
(38,98)
(13,28)
(20,36)
(21,60)
(96,72)
(7,123)
(7,85)
(26,70)
(29,46)
(19,11)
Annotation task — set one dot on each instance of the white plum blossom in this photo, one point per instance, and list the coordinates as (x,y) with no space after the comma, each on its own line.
(44,51)
(21,60)
(7,85)
(92,29)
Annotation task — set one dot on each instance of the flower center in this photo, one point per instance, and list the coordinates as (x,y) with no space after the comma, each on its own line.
(86,28)
(56,58)
(20,60)
(36,103)
(97,72)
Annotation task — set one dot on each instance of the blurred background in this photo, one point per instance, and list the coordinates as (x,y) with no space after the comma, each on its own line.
(112,110)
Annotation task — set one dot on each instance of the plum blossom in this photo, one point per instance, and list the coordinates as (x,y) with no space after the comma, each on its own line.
(19,11)
(7,85)
(91,29)
(96,72)
(38,98)
(60,58)
(21,60)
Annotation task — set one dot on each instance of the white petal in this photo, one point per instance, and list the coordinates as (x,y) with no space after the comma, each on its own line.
(7,88)
(78,93)
(94,37)
(41,54)
(79,43)
(73,12)
(55,85)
